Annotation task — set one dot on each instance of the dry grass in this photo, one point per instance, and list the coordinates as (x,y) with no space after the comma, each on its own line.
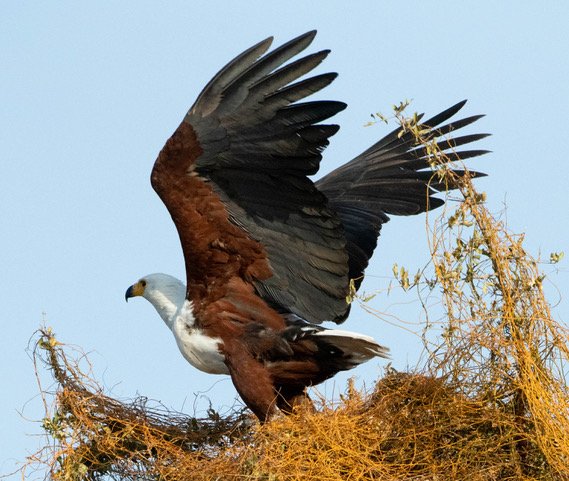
(412,426)
(501,344)
(490,402)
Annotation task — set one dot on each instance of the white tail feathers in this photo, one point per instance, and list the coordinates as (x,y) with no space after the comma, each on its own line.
(358,347)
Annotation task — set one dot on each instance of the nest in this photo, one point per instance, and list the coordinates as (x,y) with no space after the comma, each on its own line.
(489,403)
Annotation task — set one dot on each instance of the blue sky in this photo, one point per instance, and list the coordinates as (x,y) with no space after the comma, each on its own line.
(90,91)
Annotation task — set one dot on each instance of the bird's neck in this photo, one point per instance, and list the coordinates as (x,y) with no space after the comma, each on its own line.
(168,302)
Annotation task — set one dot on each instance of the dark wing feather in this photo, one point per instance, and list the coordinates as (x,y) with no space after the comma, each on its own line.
(246,145)
(391,177)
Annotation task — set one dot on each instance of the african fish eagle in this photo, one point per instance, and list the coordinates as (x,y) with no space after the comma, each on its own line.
(270,254)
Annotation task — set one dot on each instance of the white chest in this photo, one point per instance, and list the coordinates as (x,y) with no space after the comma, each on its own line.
(200,351)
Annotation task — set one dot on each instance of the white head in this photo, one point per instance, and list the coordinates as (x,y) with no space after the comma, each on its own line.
(166,293)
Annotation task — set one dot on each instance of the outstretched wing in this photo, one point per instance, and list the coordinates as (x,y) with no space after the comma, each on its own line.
(393,177)
(234,179)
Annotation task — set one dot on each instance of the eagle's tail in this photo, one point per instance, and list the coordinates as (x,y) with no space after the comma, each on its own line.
(315,354)
(354,348)
(338,350)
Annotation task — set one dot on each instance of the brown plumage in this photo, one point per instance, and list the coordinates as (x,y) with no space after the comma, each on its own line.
(268,253)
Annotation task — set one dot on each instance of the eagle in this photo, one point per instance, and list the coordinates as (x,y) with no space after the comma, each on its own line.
(269,253)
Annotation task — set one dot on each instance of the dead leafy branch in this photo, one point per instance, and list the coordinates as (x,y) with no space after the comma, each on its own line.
(500,343)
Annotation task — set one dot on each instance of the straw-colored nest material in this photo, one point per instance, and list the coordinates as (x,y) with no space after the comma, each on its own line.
(412,426)
(490,403)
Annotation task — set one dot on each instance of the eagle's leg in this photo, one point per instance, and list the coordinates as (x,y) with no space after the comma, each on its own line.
(253,383)
(290,398)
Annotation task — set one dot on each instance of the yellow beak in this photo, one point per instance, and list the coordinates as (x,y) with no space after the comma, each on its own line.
(134,291)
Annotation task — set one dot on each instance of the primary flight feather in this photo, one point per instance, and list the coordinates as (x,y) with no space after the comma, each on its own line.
(270,254)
